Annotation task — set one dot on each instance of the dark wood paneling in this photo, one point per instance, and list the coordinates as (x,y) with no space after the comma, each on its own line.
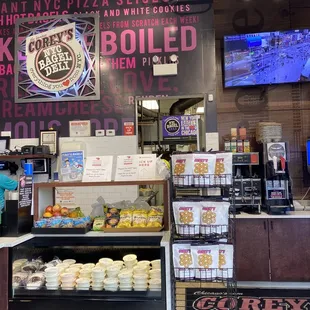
(4,268)
(289,249)
(252,250)
(239,16)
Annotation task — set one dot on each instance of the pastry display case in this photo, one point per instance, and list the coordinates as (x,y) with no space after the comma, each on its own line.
(112,271)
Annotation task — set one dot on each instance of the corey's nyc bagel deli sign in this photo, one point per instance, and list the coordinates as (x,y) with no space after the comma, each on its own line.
(55,59)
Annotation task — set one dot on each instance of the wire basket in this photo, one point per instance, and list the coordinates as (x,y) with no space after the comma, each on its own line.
(204,274)
(202,181)
(202,232)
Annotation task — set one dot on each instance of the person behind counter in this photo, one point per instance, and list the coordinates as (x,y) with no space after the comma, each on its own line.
(6,183)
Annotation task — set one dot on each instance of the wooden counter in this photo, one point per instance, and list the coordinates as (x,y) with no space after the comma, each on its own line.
(4,278)
(273,248)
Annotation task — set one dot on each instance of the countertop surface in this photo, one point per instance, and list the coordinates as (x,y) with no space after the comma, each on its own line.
(14,241)
(264,215)
(9,242)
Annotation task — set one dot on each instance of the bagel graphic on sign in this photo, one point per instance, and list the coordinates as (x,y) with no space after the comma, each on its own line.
(55,59)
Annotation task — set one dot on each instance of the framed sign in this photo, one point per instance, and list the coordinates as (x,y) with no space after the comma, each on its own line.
(50,139)
(4,144)
(57,58)
(80,128)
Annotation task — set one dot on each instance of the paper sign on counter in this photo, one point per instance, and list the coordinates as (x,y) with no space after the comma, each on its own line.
(212,141)
(136,167)
(127,168)
(98,169)
(147,167)
(65,196)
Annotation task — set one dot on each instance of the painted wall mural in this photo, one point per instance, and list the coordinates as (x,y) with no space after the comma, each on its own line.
(131,33)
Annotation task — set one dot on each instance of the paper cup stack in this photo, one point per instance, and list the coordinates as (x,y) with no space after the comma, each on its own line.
(118,263)
(111,284)
(113,271)
(69,262)
(140,276)
(80,266)
(83,284)
(86,273)
(156,264)
(98,276)
(52,278)
(105,262)
(140,282)
(155,284)
(62,268)
(155,276)
(125,280)
(68,280)
(130,261)
(144,264)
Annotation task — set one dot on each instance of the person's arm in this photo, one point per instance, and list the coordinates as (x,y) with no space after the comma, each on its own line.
(8,183)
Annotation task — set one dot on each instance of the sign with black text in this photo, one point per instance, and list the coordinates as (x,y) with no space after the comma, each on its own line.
(98,169)
(55,59)
(248,299)
(180,126)
(25,191)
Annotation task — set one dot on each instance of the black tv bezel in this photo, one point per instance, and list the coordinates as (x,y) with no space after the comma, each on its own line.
(254,85)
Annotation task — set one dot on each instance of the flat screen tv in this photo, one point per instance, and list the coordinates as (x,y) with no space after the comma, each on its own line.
(267,58)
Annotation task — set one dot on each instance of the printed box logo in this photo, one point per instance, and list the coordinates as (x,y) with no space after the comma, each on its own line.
(55,59)
(172,126)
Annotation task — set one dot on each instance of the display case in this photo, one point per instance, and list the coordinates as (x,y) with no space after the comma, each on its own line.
(88,249)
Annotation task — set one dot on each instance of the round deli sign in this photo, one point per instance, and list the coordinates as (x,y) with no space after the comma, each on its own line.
(55,59)
(172,126)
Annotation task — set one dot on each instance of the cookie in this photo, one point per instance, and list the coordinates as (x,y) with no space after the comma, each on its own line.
(205,260)
(186,217)
(208,217)
(185,260)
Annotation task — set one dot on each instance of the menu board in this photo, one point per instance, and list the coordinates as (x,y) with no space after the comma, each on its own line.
(25,191)
(179,126)
(98,169)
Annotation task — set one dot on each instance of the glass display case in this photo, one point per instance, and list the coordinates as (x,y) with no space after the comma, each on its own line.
(28,283)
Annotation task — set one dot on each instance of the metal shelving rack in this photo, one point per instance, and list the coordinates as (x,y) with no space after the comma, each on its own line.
(213,235)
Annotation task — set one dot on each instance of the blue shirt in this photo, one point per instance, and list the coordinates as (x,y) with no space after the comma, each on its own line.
(6,183)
